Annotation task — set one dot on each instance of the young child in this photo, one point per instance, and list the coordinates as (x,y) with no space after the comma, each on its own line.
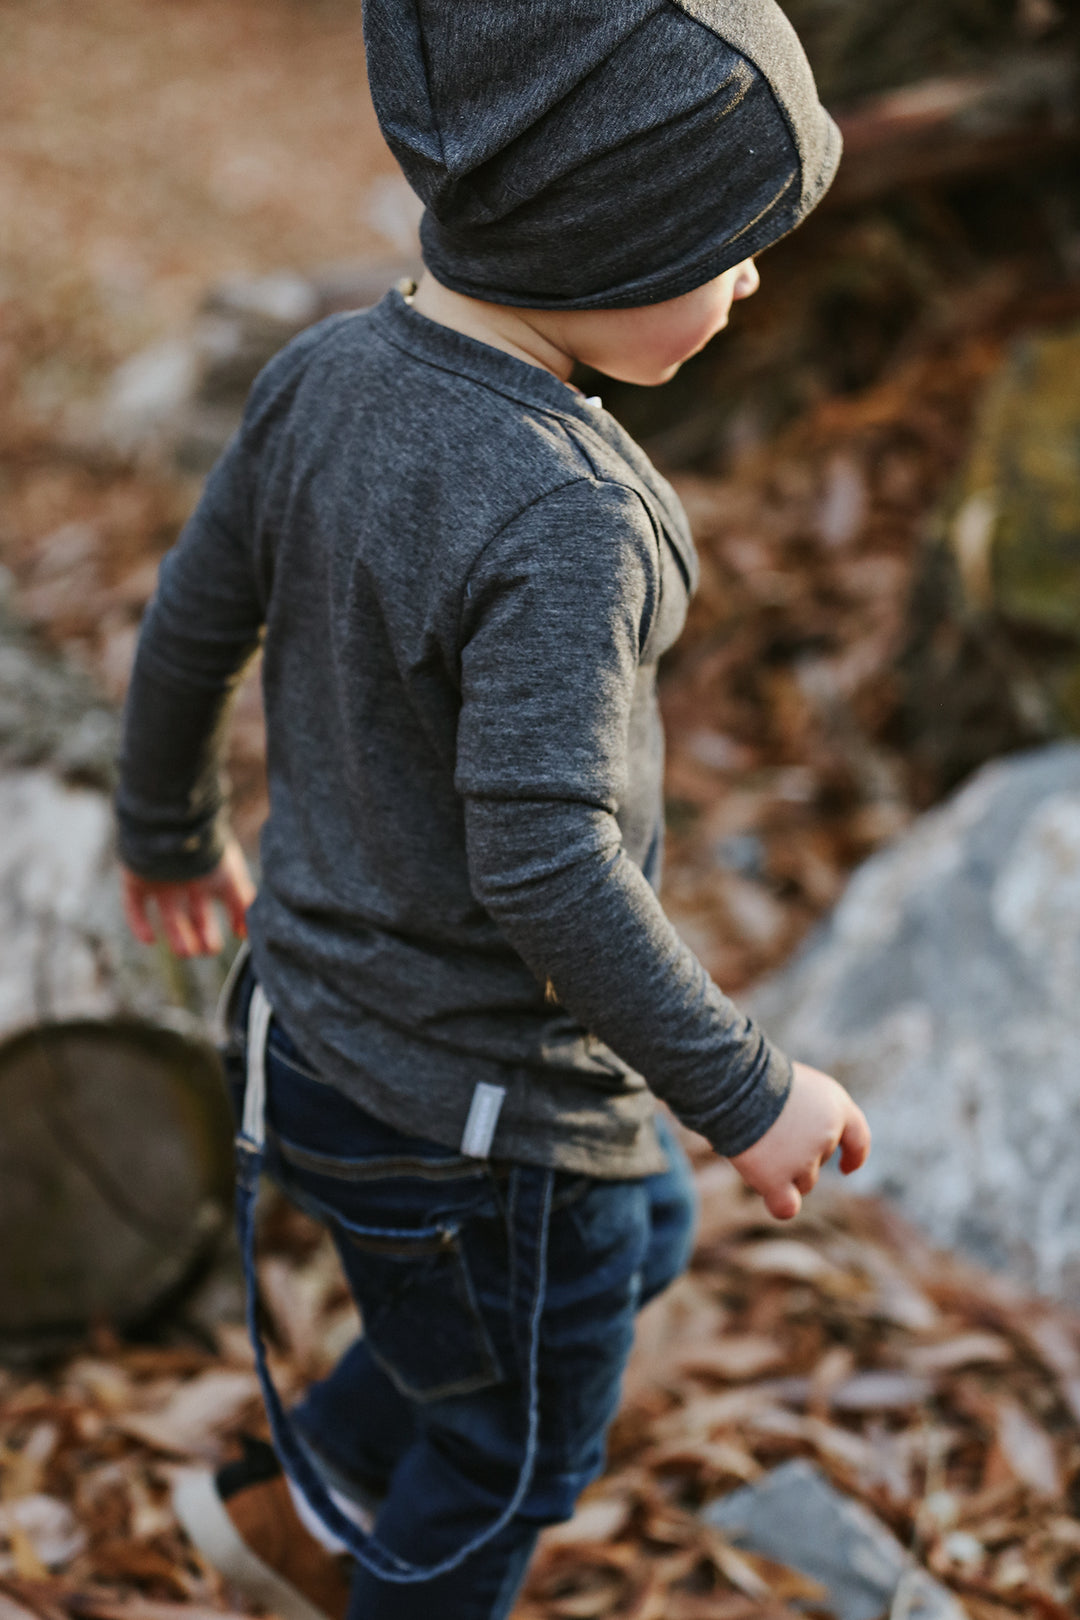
(462,991)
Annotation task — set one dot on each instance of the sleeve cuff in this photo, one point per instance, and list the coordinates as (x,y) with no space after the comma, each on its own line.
(731,1130)
(170,855)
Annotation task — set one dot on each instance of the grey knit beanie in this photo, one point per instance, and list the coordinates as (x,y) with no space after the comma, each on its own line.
(592,154)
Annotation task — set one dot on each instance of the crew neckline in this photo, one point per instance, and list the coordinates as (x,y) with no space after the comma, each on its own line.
(437,344)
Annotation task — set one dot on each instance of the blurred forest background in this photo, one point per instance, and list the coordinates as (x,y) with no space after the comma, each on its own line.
(880,460)
(160,161)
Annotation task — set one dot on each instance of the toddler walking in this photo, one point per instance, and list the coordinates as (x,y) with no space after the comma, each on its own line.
(462,994)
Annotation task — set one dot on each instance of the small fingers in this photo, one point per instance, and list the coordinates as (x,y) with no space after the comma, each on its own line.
(175,923)
(236,901)
(806,1180)
(784,1202)
(855,1143)
(203,922)
(133,895)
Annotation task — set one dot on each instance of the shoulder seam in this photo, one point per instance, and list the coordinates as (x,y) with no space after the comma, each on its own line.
(537,500)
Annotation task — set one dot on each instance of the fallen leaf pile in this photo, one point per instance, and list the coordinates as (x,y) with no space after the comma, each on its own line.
(808,720)
(944,1400)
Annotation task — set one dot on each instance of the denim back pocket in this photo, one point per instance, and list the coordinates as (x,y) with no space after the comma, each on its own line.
(397,1207)
(421,1317)
(404,1213)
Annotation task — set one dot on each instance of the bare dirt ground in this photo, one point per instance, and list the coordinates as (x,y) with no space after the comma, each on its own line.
(149,148)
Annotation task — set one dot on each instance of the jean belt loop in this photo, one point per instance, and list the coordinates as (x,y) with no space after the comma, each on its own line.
(529,1224)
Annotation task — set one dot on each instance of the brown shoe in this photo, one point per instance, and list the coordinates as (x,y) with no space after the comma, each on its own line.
(244,1522)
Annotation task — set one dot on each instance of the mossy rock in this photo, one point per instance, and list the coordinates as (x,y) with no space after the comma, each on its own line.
(1015,534)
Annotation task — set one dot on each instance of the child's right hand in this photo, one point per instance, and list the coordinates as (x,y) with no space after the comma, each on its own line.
(184,912)
(818,1117)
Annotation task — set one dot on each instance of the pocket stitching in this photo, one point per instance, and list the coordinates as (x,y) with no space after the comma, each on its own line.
(448,1244)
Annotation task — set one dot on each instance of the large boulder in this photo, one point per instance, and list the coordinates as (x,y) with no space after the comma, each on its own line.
(944,991)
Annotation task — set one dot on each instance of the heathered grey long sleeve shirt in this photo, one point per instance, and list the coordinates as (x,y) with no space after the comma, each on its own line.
(462,575)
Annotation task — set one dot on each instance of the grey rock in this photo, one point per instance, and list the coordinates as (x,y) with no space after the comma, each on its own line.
(795,1516)
(181,398)
(281,299)
(50,712)
(147,393)
(65,950)
(943,993)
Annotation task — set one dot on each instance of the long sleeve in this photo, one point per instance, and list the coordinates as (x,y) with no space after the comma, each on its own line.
(198,635)
(559,608)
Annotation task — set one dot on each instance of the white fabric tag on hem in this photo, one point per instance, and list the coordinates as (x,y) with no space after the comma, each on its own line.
(253,1123)
(483,1117)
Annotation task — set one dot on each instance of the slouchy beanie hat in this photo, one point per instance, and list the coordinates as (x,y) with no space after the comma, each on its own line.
(590,154)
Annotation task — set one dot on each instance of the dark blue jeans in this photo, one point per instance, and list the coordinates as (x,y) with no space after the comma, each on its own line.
(426,1412)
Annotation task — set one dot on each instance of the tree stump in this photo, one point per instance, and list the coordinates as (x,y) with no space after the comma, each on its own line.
(115,1152)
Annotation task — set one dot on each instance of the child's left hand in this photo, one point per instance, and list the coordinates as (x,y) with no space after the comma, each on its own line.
(185,911)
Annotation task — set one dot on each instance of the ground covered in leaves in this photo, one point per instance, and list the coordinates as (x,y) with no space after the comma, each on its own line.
(949,1404)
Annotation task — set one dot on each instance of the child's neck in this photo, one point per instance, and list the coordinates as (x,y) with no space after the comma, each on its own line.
(515,331)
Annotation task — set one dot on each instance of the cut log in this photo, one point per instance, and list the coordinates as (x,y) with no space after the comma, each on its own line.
(115,1174)
(115,1152)
(946,129)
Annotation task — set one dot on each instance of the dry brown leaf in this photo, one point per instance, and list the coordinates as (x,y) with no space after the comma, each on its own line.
(736,1567)
(23,1471)
(1027,1448)
(1056,1345)
(761,1578)
(88,1605)
(786,1583)
(980,1608)
(962,1350)
(716,1458)
(27,1564)
(683,1315)
(10,1610)
(735,1357)
(43,1534)
(788,1258)
(831,1370)
(595,1592)
(699,1418)
(39,1598)
(125,1560)
(833,1443)
(234,1345)
(601,1519)
(298,1296)
(875,1391)
(191,1421)
(713,1606)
